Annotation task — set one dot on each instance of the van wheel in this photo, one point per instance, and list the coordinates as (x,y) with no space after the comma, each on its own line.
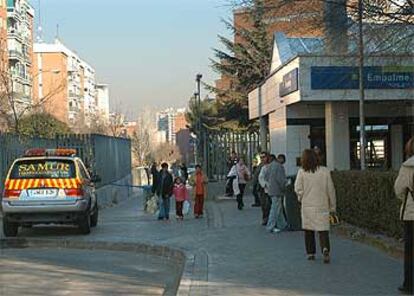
(94,217)
(85,224)
(10,229)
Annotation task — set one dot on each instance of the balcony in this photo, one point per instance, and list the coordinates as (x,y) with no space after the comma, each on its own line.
(15,55)
(14,13)
(15,34)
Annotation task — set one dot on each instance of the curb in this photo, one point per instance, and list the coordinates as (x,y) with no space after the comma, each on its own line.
(160,251)
(185,261)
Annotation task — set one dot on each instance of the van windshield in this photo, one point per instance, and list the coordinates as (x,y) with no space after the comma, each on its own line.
(43,169)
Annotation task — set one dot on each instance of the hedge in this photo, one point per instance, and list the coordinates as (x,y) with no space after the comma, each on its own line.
(366,199)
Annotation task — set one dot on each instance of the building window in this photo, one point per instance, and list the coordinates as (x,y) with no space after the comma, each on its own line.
(377,150)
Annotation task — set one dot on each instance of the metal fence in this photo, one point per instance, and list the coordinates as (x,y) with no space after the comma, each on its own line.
(108,157)
(220,144)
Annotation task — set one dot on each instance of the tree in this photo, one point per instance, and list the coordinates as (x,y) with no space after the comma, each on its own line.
(207,112)
(42,125)
(13,107)
(245,63)
(166,152)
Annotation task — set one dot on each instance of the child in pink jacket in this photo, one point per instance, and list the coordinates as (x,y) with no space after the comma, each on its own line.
(181,194)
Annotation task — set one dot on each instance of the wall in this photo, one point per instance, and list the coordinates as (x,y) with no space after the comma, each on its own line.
(271,99)
(3,36)
(53,77)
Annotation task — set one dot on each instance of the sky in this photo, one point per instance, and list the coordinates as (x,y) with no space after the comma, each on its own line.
(148,51)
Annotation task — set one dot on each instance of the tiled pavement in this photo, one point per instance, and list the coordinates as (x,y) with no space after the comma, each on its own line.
(233,255)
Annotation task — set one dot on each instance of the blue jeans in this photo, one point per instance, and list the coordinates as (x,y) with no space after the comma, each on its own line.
(164,208)
(276,216)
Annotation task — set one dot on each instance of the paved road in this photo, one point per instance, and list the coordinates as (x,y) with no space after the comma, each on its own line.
(82,272)
(235,256)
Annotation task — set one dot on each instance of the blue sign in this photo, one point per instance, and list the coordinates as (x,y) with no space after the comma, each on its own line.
(389,77)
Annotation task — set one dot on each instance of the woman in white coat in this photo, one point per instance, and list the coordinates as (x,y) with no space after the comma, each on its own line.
(404,188)
(316,193)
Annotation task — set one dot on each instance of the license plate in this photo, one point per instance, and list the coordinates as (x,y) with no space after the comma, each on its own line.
(45,193)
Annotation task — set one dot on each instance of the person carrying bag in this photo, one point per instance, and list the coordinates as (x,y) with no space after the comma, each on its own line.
(404,187)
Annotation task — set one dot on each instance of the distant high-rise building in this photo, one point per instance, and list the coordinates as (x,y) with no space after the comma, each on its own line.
(171,121)
(20,16)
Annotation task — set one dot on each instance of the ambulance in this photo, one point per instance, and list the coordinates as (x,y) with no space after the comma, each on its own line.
(49,186)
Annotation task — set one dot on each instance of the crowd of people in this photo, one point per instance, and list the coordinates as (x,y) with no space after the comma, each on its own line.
(168,184)
(313,186)
(314,189)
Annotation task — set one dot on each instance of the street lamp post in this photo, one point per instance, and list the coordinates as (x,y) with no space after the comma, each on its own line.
(199,119)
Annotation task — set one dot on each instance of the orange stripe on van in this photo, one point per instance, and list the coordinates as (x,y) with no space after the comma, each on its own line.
(17,185)
(23,184)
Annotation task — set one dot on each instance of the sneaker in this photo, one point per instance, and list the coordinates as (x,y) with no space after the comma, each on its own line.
(326,257)
(276,230)
(311,257)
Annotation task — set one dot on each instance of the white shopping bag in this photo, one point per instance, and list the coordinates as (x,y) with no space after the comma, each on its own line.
(186,207)
(152,205)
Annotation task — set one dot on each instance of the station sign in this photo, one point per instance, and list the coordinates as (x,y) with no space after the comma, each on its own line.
(387,77)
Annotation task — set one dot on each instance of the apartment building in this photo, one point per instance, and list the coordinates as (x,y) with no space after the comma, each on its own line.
(65,83)
(89,91)
(3,37)
(20,15)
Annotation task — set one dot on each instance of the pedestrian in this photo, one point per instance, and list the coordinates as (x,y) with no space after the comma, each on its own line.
(164,192)
(200,191)
(276,182)
(316,193)
(229,192)
(265,201)
(154,175)
(181,195)
(404,189)
(281,158)
(243,175)
(184,173)
(255,181)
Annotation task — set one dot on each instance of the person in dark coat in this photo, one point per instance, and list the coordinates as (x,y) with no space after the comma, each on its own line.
(164,192)
(184,173)
(256,171)
(154,174)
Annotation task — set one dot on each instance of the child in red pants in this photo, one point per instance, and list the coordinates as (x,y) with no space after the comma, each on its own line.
(181,194)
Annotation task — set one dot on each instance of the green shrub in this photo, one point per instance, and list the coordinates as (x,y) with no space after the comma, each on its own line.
(366,199)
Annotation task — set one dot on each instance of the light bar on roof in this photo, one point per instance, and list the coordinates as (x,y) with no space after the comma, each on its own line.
(50,152)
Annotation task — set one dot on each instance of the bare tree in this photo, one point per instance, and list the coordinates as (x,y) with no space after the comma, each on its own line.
(143,140)
(13,108)
(166,152)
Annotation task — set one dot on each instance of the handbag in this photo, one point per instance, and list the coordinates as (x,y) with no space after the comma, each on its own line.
(334,219)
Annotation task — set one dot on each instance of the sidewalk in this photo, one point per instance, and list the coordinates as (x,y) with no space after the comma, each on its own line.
(234,255)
